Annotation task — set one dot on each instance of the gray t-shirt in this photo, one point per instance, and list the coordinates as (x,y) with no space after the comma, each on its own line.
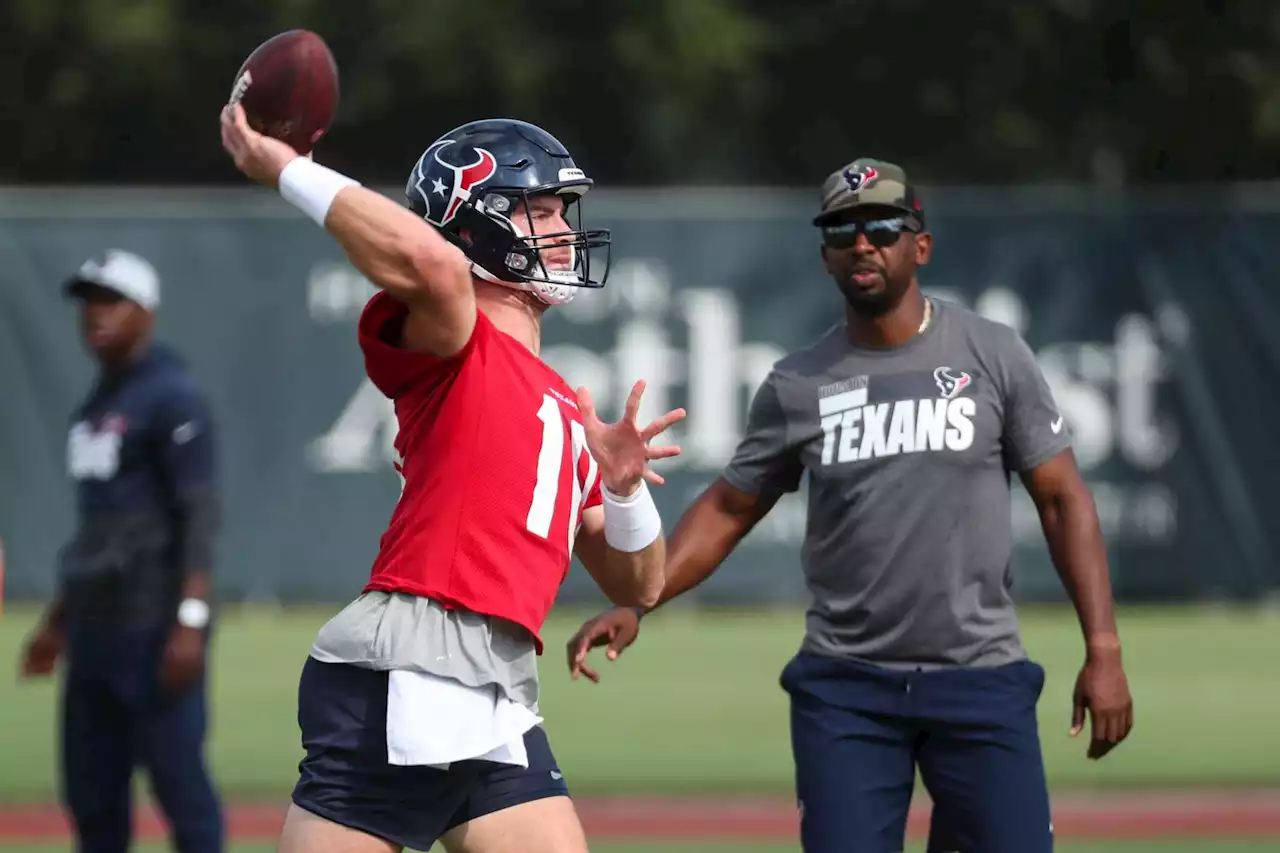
(909,452)
(395,630)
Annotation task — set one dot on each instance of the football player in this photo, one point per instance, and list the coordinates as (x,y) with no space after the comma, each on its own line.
(418,703)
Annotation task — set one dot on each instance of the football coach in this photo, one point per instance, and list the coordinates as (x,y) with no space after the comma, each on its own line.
(131,616)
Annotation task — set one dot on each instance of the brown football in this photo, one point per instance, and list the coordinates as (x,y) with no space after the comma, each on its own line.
(289,88)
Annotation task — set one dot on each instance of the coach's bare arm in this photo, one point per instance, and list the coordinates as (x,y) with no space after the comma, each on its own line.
(388,243)
(706,534)
(1071,529)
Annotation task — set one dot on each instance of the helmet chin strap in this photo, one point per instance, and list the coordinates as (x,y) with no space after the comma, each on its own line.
(551,294)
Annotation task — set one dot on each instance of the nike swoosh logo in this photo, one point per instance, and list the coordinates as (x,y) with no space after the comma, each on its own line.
(1056,426)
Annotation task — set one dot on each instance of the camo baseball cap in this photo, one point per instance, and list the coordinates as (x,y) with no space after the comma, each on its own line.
(866,182)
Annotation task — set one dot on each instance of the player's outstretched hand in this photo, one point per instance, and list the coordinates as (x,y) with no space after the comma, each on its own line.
(1103,691)
(260,157)
(616,628)
(622,449)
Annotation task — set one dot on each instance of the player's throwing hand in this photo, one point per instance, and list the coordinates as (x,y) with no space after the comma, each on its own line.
(622,449)
(260,157)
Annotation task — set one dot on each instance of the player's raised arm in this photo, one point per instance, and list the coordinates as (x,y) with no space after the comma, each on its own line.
(394,248)
(405,256)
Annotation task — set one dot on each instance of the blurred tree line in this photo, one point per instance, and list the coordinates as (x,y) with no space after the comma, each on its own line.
(671,91)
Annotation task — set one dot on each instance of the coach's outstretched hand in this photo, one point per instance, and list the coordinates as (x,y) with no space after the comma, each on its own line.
(1103,691)
(260,157)
(616,628)
(622,449)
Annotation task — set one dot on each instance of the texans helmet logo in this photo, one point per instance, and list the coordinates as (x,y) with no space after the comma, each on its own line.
(949,383)
(859,179)
(447,174)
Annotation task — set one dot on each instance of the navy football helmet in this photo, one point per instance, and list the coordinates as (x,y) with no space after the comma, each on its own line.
(468,182)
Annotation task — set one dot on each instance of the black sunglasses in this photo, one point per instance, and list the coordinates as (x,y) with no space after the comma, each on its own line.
(881,233)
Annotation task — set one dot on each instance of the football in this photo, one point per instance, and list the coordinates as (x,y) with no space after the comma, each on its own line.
(289,88)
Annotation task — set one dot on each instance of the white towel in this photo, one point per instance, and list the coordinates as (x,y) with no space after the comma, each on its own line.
(436,721)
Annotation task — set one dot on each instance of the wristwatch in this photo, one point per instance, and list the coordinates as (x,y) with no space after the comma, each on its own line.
(193,613)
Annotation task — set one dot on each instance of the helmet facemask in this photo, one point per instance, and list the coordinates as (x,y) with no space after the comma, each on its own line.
(501,251)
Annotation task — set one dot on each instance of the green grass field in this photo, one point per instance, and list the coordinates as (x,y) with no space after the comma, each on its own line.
(695,704)
(695,707)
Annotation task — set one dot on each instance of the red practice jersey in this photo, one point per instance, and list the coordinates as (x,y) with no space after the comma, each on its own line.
(495,466)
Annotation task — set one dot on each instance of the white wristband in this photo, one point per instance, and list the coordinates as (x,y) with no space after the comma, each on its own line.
(311,188)
(632,523)
(193,613)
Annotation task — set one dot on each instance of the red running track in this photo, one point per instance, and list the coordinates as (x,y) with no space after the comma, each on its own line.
(1114,815)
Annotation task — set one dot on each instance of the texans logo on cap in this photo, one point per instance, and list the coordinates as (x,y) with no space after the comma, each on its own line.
(859,179)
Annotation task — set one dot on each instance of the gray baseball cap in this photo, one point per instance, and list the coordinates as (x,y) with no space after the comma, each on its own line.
(125,273)
(867,183)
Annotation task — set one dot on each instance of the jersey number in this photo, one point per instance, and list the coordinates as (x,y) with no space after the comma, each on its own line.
(550,462)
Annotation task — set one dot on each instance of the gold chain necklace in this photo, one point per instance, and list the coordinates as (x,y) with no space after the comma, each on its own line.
(928,315)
